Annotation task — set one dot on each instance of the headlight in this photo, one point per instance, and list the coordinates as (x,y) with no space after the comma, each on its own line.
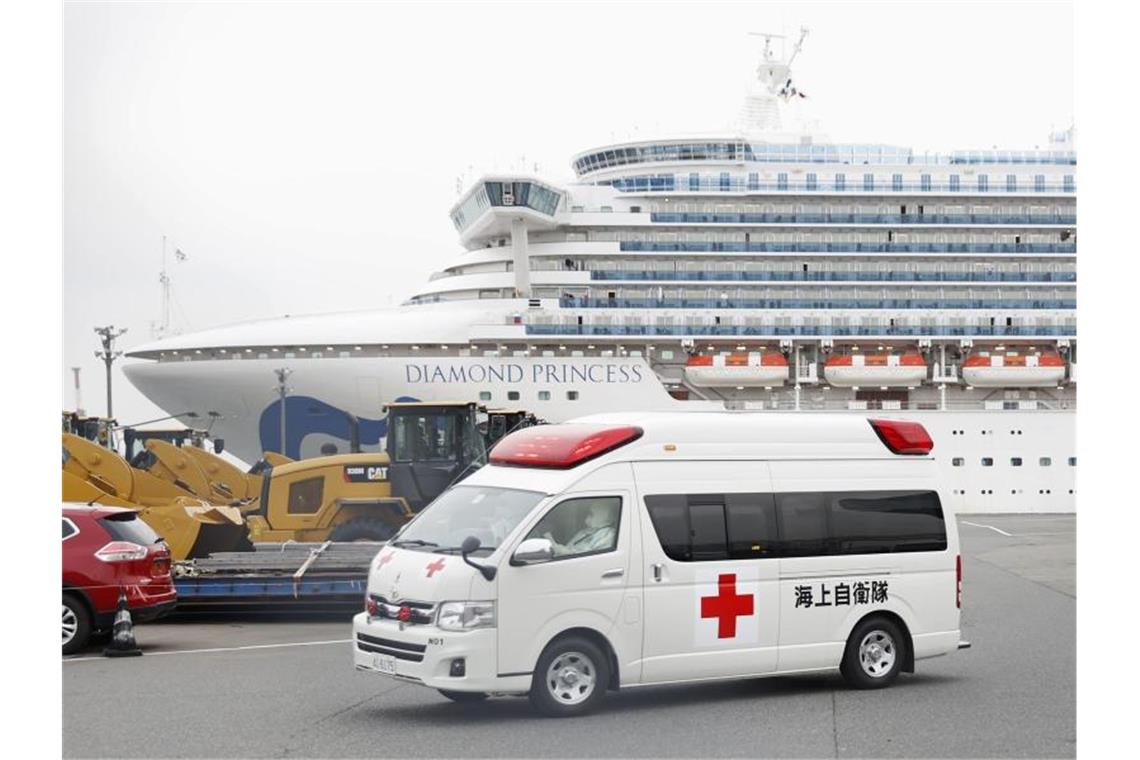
(464,616)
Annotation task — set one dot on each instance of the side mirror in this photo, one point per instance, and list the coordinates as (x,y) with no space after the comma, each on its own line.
(533,551)
(470,544)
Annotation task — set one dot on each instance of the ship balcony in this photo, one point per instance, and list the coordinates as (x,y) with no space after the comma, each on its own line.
(671,217)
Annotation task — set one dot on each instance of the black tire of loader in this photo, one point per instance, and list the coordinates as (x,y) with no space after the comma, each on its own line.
(362,529)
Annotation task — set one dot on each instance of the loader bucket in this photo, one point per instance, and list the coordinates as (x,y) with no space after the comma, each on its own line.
(198,529)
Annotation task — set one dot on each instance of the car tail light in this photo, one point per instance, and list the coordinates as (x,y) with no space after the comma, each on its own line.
(160,565)
(903,436)
(561,447)
(121,551)
(958,597)
(372,606)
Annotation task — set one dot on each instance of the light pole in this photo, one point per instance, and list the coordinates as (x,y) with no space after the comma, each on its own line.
(78,392)
(107,336)
(282,392)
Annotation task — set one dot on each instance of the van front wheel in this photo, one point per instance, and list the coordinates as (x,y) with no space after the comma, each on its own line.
(570,679)
(874,655)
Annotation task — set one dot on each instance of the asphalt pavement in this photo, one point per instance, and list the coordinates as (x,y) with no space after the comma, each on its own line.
(256,685)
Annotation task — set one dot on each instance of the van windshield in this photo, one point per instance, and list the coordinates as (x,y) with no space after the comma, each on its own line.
(487,513)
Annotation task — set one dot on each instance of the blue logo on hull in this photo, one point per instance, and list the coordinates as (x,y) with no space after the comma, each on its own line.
(305,415)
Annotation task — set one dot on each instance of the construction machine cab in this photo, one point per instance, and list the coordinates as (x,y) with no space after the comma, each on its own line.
(500,422)
(432,445)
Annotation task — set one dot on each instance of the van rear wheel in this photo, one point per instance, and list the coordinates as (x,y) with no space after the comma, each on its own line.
(875,653)
(571,678)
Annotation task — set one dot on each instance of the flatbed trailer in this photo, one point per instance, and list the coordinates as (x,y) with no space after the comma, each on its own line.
(288,575)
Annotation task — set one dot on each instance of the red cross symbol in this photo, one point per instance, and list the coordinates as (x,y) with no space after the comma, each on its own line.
(384,560)
(726,606)
(434,567)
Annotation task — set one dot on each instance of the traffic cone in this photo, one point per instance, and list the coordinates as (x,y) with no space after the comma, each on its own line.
(123,634)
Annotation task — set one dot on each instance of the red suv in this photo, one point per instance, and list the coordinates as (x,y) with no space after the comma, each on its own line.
(105,549)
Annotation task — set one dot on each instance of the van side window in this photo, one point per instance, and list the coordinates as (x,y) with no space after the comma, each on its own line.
(870,522)
(707,527)
(803,524)
(578,527)
(751,525)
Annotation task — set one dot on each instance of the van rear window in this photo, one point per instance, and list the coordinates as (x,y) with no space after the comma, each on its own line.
(704,527)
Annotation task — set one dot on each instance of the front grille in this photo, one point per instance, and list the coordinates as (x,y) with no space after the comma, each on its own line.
(419,613)
(401,650)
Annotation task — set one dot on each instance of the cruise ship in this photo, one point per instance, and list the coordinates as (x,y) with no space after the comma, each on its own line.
(763,267)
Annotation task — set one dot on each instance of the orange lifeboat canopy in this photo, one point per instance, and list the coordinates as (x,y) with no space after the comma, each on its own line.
(875,369)
(737,370)
(1019,369)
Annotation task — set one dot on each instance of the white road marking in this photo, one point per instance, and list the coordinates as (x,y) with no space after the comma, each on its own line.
(978,525)
(228,649)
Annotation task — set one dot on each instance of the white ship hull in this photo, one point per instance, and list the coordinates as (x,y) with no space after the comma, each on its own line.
(360,386)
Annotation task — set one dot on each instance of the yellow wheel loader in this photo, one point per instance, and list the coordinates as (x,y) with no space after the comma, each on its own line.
(192,526)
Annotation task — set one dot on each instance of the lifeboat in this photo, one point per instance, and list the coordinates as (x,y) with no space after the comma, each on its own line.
(755,368)
(1013,368)
(881,369)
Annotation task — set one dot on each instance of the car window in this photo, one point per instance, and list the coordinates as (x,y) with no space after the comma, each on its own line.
(578,527)
(69,529)
(126,526)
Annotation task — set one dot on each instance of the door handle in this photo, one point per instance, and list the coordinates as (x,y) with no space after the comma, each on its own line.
(657,568)
(617,572)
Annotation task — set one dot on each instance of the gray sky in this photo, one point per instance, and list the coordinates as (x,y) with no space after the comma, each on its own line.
(305,156)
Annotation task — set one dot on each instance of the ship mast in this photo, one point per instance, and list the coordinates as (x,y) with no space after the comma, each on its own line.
(772,88)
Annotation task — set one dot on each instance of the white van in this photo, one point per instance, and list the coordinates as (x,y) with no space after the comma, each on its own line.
(628,550)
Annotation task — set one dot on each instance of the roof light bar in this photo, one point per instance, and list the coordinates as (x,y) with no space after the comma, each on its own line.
(560,447)
(903,436)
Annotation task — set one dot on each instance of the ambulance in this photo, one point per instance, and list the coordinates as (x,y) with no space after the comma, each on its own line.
(627,550)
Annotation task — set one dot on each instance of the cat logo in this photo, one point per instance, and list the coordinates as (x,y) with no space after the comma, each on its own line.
(365,473)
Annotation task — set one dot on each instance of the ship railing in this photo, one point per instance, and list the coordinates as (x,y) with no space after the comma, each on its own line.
(825,276)
(833,218)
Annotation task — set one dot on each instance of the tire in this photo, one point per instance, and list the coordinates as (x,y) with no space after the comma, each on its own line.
(571,678)
(362,529)
(875,653)
(76,624)
(463,696)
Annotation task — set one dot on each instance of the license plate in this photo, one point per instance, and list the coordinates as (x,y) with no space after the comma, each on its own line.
(384,663)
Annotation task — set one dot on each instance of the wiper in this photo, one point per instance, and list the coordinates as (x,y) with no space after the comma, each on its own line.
(456,549)
(413,542)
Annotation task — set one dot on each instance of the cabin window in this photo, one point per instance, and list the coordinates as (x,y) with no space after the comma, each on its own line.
(958,461)
(484,395)
(305,496)
(544,395)
(1045,461)
(512,395)
(987,461)
(571,395)
(1015,461)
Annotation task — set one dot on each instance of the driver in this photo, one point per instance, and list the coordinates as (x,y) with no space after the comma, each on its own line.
(598,533)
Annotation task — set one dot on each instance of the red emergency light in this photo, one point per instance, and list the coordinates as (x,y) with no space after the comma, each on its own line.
(560,447)
(903,436)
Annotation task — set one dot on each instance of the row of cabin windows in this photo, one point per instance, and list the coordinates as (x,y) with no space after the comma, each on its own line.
(1013,461)
(709,527)
(515,396)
